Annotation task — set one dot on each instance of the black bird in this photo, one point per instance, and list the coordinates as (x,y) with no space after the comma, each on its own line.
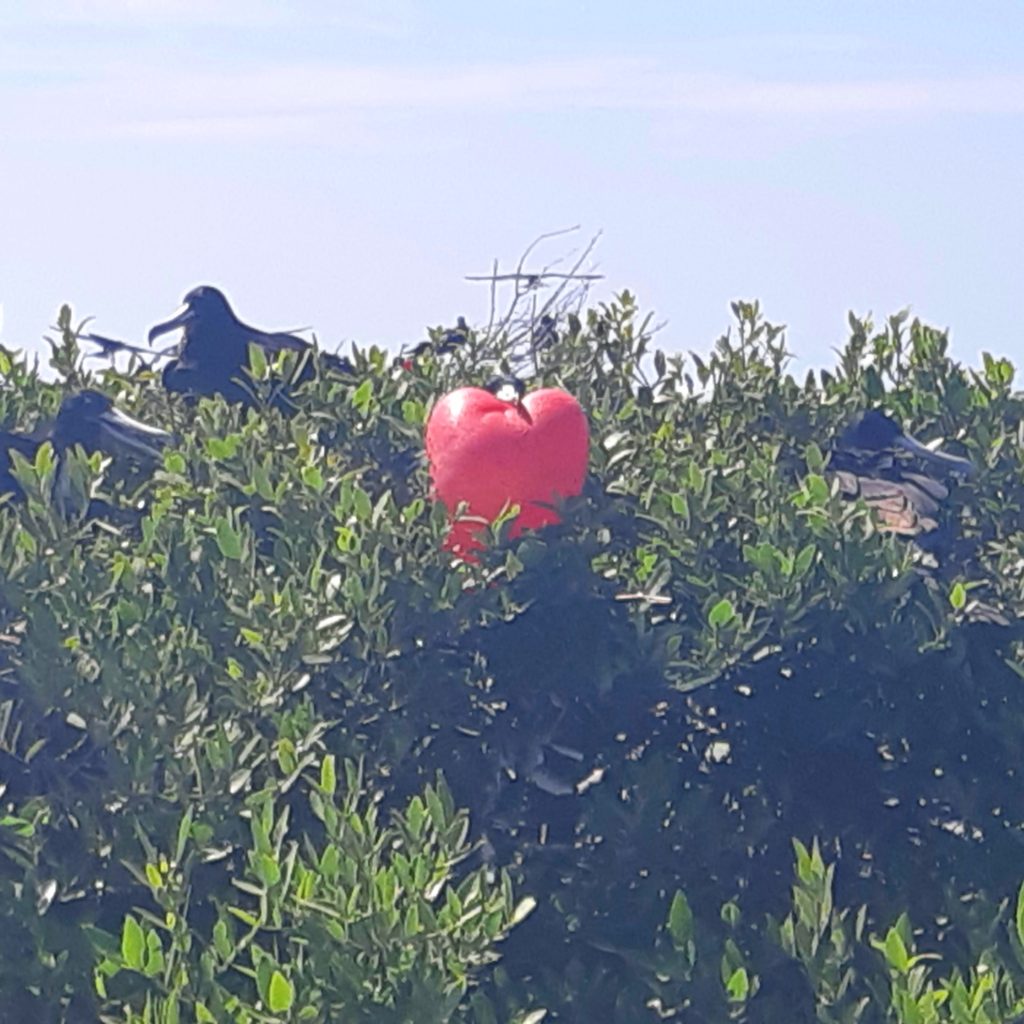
(89,419)
(900,478)
(544,333)
(454,338)
(441,343)
(215,348)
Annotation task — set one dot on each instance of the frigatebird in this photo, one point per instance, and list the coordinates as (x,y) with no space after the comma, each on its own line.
(544,334)
(899,477)
(90,419)
(215,348)
(441,343)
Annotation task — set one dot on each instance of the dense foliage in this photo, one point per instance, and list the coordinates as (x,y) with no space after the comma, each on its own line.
(270,755)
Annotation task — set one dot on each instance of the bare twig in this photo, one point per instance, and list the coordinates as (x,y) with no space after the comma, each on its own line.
(517,325)
(526,255)
(533,277)
(494,297)
(574,274)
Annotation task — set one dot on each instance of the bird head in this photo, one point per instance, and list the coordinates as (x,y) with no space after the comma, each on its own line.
(90,419)
(876,431)
(205,304)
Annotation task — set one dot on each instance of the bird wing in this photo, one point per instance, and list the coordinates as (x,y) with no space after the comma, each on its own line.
(278,341)
(905,507)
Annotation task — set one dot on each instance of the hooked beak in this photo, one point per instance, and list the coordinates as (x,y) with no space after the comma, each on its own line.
(950,463)
(121,432)
(180,319)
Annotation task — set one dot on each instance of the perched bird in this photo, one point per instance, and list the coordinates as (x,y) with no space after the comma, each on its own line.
(898,476)
(90,419)
(544,333)
(454,338)
(441,343)
(215,348)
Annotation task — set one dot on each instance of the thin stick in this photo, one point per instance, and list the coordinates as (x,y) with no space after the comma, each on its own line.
(518,326)
(494,297)
(573,275)
(533,277)
(525,256)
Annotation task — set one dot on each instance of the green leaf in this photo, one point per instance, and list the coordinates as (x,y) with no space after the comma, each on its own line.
(413,412)
(155,957)
(363,504)
(721,613)
(228,539)
(330,861)
(896,952)
(257,361)
(435,808)
(738,986)
(363,395)
(328,775)
(411,924)
(174,462)
(1020,915)
(313,478)
(680,920)
(804,559)
(222,939)
(44,458)
(222,447)
(817,489)
(524,908)
(280,994)
(267,870)
(415,817)
(731,913)
(958,596)
(133,943)
(184,830)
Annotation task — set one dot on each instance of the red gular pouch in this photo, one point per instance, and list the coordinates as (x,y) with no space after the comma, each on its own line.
(487,453)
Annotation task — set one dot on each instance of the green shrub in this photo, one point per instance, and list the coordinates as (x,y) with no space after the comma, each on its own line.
(713,653)
(366,924)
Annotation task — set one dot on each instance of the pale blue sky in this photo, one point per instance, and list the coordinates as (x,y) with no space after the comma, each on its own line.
(345,164)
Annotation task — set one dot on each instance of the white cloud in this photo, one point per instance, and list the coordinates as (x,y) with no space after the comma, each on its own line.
(385,16)
(618,84)
(164,99)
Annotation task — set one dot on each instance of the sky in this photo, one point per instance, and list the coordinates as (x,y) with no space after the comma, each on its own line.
(344,164)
